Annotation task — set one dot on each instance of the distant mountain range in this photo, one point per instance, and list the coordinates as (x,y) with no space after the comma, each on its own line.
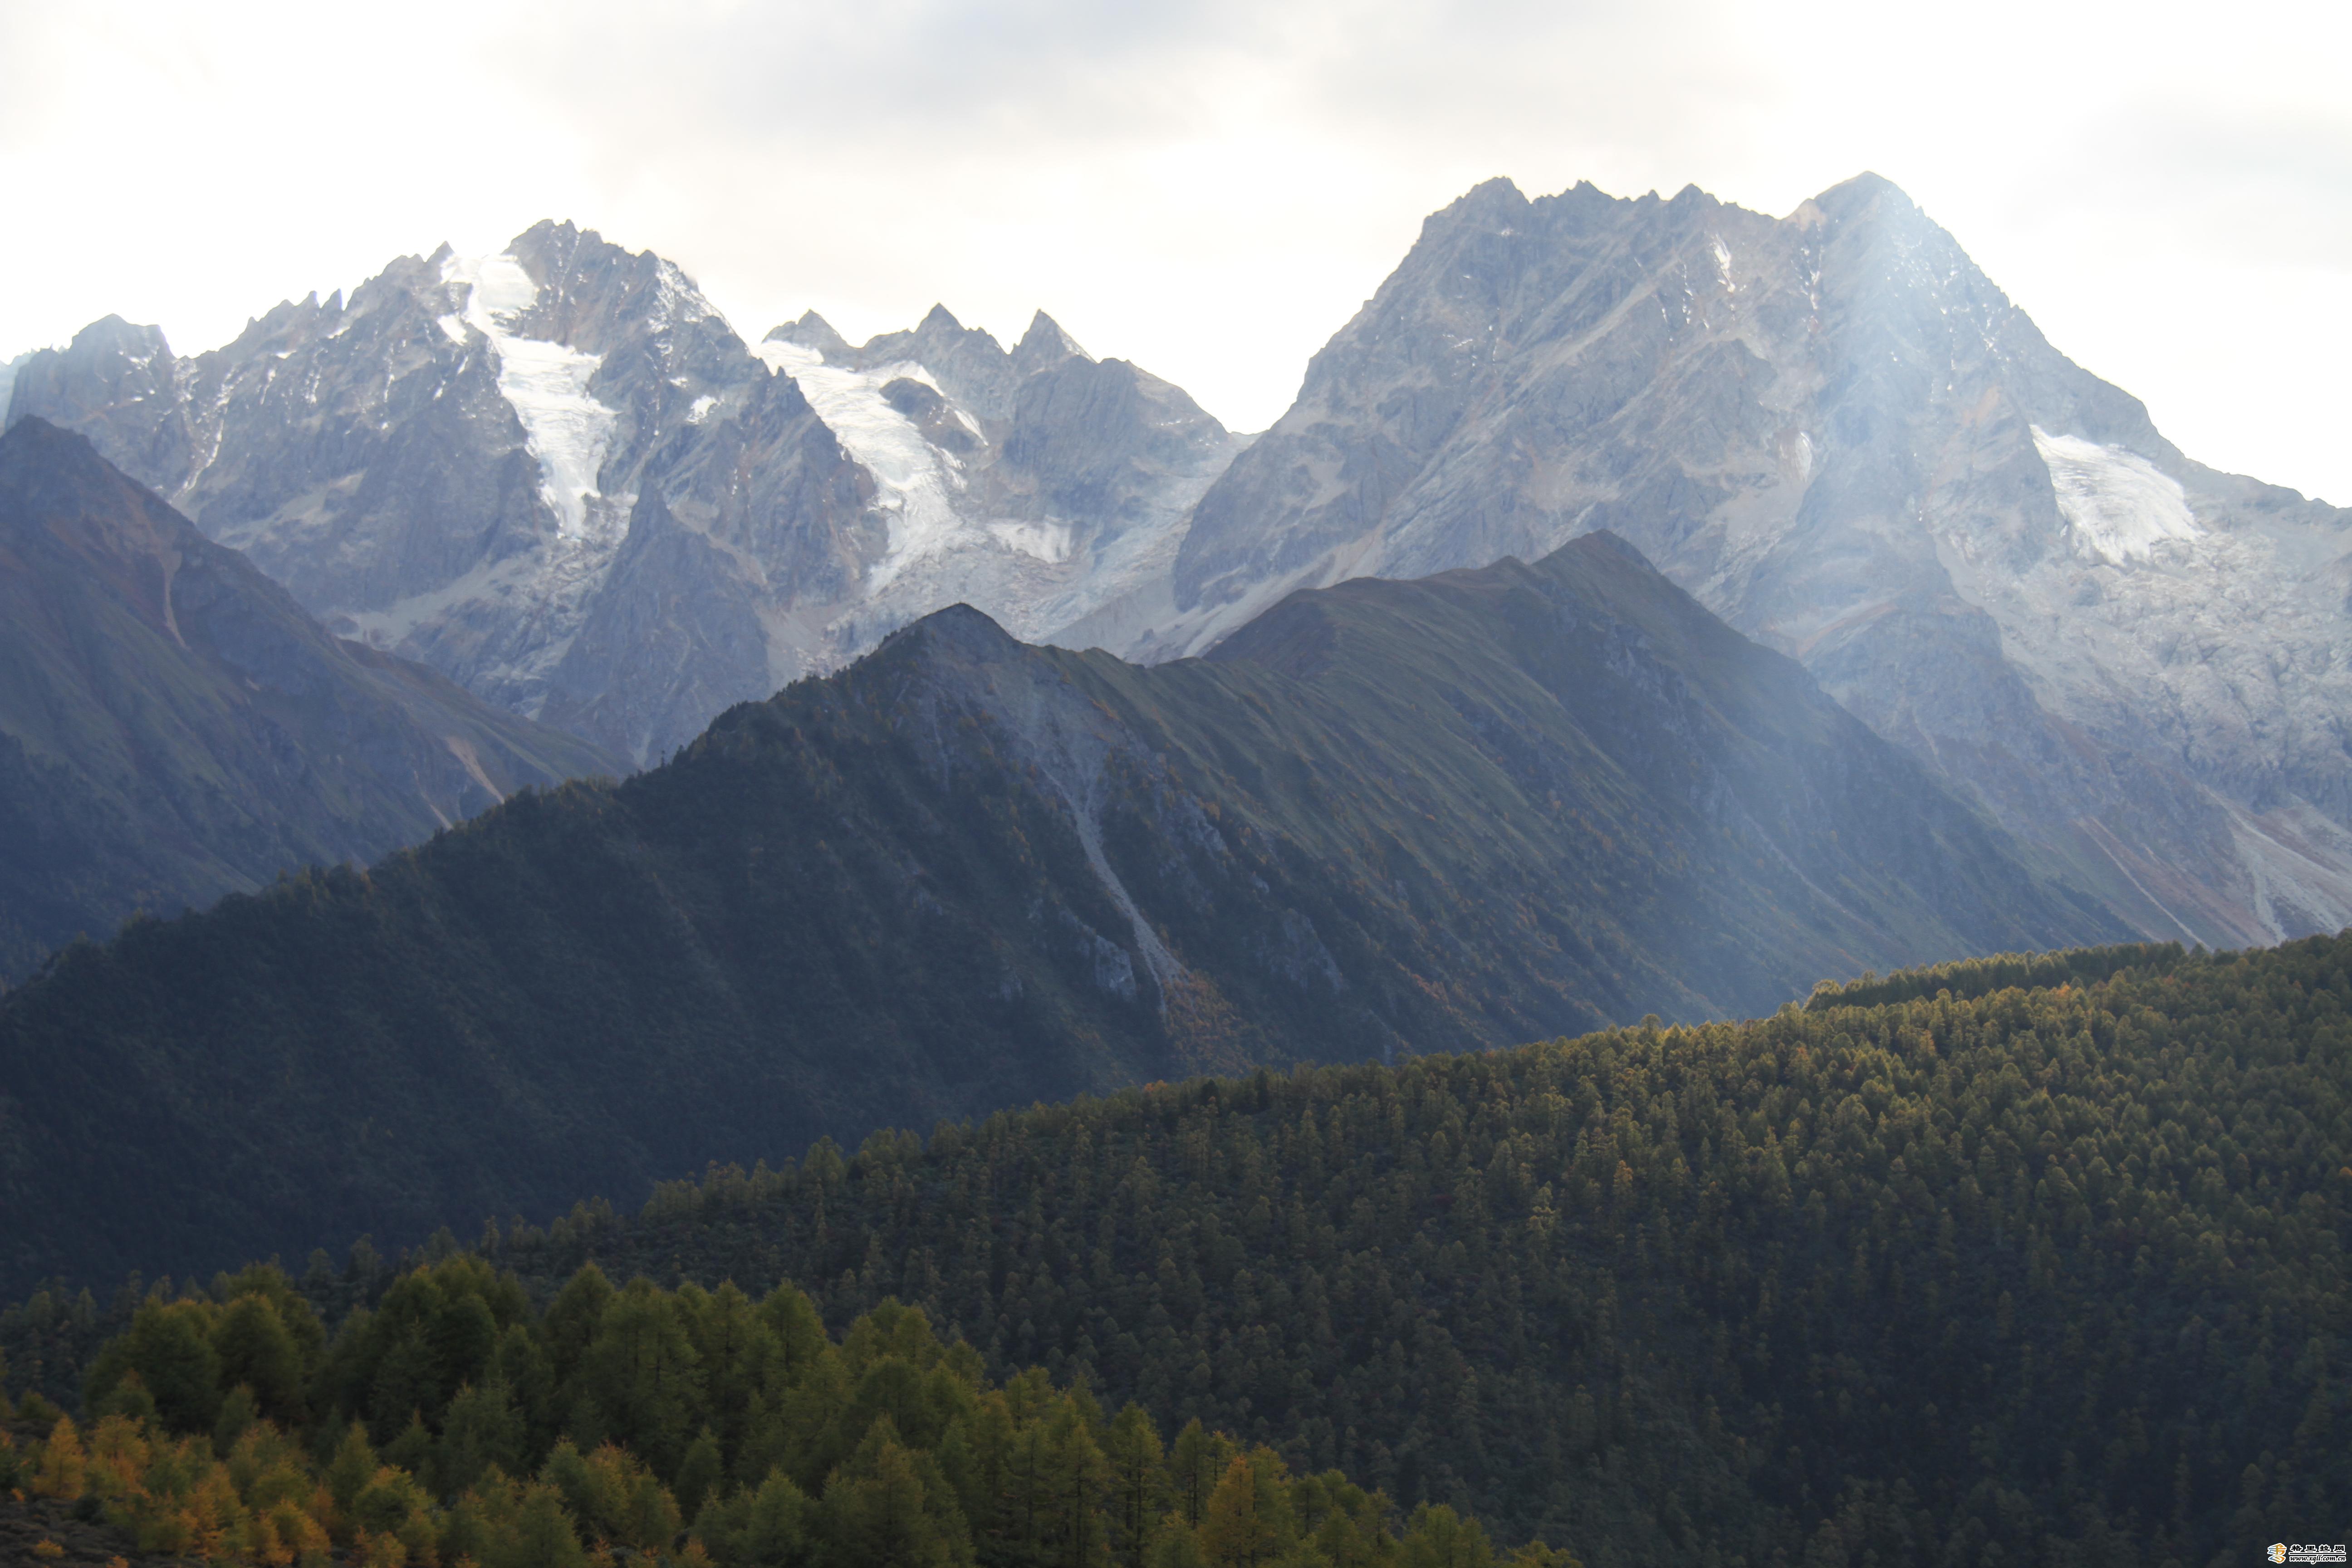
(966,873)
(557,476)
(173,727)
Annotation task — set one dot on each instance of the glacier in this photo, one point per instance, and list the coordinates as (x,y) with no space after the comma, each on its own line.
(2118,504)
(546,382)
(917,480)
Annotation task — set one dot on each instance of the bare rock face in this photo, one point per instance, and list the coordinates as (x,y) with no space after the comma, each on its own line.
(1836,433)
(557,476)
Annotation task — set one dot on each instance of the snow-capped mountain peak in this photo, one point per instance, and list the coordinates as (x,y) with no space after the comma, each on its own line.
(557,474)
(1836,432)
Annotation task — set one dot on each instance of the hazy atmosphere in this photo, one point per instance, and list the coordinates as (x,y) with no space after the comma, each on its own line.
(1206,188)
(1571,874)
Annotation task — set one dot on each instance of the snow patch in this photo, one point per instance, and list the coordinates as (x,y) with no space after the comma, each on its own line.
(2119,505)
(1723,263)
(1048,541)
(675,299)
(702,408)
(545,382)
(916,479)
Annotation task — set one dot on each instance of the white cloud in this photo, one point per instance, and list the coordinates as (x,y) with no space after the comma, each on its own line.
(1208,188)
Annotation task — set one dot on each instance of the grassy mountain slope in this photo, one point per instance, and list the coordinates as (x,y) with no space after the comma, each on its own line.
(173,727)
(967,874)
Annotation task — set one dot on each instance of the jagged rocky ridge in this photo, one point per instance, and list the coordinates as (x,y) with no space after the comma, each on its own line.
(557,476)
(173,727)
(968,873)
(1840,436)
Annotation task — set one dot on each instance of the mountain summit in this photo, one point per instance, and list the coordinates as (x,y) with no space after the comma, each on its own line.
(559,477)
(1839,435)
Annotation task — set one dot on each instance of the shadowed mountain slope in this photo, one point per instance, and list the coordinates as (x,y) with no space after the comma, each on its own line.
(173,727)
(967,873)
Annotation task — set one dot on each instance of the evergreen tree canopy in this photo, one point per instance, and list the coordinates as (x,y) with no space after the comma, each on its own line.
(2018,1261)
(2046,1255)
(453,1421)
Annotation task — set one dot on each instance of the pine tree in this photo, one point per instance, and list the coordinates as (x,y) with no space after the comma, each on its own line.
(700,1473)
(481,1428)
(1440,1538)
(541,1536)
(881,1510)
(63,1469)
(169,1345)
(257,1351)
(642,1376)
(1136,1461)
(1196,1465)
(1248,1521)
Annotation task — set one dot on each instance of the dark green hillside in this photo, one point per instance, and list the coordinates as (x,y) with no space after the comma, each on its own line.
(966,874)
(1987,1276)
(173,727)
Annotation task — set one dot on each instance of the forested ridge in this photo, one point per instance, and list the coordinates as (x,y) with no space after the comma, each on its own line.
(1387,818)
(2017,1260)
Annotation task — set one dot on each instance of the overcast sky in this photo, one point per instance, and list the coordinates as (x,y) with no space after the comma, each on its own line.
(1208,188)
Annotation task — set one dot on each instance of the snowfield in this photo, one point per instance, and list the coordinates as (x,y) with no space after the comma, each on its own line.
(2119,505)
(546,382)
